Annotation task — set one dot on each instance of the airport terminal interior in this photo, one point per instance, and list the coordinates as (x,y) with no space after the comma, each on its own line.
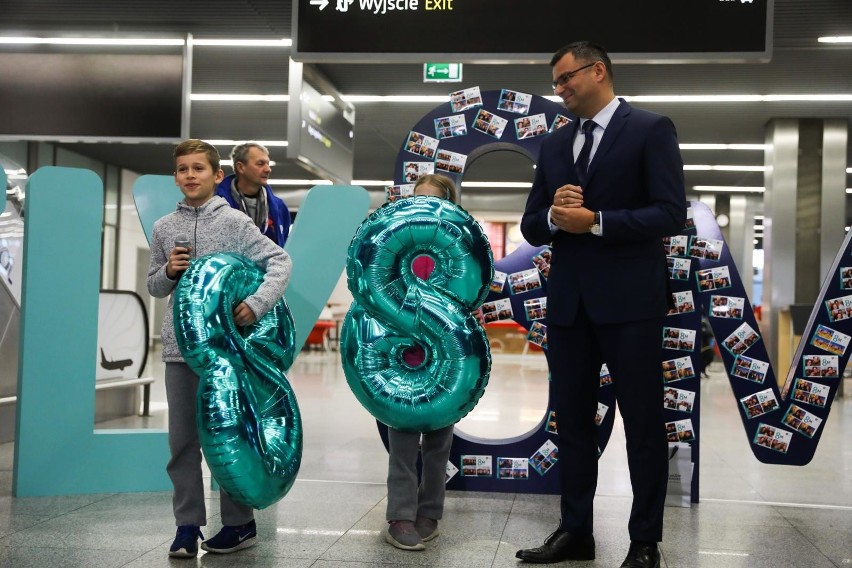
(763,132)
(750,515)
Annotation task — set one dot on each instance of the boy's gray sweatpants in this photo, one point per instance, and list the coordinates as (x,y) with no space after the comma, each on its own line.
(407,501)
(184,467)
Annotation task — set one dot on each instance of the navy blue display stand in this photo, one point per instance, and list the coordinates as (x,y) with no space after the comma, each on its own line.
(783,426)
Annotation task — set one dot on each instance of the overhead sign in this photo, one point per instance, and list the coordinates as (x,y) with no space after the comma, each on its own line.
(442,72)
(506,31)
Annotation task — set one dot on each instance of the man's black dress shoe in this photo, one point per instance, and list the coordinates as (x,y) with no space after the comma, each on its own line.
(560,546)
(642,555)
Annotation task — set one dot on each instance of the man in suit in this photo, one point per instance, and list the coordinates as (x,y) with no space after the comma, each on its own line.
(607,189)
(247,189)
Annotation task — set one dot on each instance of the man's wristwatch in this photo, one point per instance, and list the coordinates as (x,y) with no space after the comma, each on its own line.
(595,229)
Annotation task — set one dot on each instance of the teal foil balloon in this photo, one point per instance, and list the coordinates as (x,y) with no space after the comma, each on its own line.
(248,419)
(395,311)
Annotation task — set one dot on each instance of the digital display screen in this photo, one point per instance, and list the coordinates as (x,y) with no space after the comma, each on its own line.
(320,135)
(103,95)
(520,30)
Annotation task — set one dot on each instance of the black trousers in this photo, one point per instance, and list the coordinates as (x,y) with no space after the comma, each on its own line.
(632,352)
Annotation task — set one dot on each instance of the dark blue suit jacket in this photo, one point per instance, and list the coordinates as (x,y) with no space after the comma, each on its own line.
(636,180)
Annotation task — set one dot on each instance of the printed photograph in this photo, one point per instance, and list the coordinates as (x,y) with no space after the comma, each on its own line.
(465,99)
(513,101)
(690,221)
(498,281)
(450,126)
(550,423)
(821,366)
(759,403)
(741,339)
(680,431)
(839,308)
(700,247)
(396,192)
(412,171)
(678,369)
(846,278)
(537,335)
(713,278)
(524,281)
(513,468)
(773,438)
(678,268)
(602,408)
(497,310)
(676,245)
(728,307)
(476,466)
(679,400)
(802,421)
(830,340)
(811,393)
(750,369)
(489,123)
(531,126)
(536,308)
(421,144)
(606,378)
(450,162)
(558,122)
(542,262)
(544,458)
(683,303)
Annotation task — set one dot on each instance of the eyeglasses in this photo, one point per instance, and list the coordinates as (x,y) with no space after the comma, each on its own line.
(563,79)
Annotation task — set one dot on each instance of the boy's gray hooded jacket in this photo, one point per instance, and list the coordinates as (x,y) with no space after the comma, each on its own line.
(211,228)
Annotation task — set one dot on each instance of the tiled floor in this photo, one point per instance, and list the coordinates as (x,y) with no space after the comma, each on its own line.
(750,514)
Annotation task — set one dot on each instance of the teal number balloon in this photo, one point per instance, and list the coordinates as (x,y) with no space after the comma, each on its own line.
(395,312)
(248,419)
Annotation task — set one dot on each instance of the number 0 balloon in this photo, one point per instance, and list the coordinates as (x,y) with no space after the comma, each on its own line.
(248,419)
(394,311)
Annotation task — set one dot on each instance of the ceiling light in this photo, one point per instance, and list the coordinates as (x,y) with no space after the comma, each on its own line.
(248,98)
(305,182)
(724,147)
(728,188)
(395,98)
(372,182)
(728,98)
(243,42)
(267,143)
(704,168)
(504,184)
(231,163)
(90,41)
(835,39)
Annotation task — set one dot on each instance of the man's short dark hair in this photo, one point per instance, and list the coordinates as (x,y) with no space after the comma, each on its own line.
(584,51)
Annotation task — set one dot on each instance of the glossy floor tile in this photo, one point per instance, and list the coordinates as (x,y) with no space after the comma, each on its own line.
(750,515)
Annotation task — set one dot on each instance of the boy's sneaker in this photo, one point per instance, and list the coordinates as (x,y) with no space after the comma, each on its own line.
(427,528)
(403,535)
(185,544)
(232,538)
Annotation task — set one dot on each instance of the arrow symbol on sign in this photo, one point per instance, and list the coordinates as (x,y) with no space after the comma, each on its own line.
(321,3)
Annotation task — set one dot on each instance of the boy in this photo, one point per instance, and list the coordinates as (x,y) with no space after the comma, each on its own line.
(212,227)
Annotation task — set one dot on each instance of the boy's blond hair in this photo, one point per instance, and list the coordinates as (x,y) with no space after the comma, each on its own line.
(195,146)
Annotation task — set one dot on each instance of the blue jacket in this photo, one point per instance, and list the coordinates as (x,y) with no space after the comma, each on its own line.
(278,224)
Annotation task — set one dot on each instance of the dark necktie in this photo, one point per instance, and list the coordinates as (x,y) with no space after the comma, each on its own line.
(582,163)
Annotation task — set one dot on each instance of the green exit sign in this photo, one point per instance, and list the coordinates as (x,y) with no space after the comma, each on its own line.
(442,72)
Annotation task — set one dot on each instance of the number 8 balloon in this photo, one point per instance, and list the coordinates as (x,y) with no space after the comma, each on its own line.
(394,311)
(249,423)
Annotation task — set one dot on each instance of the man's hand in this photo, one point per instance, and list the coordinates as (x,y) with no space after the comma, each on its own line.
(243,315)
(572,219)
(568,196)
(568,212)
